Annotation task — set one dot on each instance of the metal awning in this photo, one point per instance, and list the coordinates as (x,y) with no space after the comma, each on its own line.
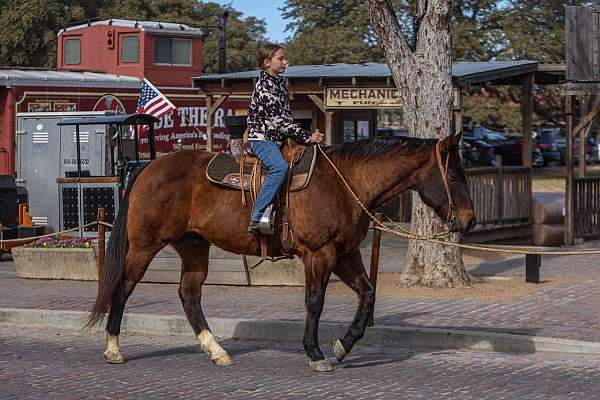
(116,119)
(497,72)
(68,79)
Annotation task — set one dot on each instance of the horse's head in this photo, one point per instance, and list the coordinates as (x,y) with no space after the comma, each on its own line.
(443,186)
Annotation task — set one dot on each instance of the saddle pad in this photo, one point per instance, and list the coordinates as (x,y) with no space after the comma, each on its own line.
(224,170)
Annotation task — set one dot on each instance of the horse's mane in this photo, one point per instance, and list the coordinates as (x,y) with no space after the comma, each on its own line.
(366,149)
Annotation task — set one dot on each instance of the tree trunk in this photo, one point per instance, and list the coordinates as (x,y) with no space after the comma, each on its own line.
(423,75)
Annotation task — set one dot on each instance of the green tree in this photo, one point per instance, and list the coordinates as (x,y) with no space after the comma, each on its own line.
(28,29)
(345,24)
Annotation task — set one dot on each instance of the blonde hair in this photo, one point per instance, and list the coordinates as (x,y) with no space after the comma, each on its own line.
(266,51)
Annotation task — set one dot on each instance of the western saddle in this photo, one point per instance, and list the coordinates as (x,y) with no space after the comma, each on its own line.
(243,171)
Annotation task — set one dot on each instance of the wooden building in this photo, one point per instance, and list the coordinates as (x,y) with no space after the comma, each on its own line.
(582,219)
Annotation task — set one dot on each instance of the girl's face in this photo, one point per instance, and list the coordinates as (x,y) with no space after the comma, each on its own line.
(276,65)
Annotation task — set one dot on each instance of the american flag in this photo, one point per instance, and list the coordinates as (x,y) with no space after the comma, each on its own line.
(152,102)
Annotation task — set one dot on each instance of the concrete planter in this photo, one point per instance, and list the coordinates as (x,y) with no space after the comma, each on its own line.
(55,263)
(281,273)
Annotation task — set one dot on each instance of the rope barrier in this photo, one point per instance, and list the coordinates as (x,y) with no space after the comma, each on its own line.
(27,239)
(436,237)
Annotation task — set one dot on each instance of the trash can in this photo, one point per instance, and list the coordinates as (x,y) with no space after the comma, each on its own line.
(236,125)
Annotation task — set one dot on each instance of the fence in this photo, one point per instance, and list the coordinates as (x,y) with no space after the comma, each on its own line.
(501,197)
(586,207)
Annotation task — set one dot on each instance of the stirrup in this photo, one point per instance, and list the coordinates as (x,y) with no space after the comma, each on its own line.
(266,225)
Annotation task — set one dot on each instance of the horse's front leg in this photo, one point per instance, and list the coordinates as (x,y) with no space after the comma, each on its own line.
(351,270)
(317,266)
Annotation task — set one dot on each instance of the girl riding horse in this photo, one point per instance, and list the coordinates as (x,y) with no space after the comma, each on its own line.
(269,123)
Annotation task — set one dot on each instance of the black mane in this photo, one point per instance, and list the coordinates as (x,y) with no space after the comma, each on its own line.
(369,148)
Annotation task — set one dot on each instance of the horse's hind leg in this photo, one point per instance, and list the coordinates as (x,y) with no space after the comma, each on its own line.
(194,255)
(136,263)
(351,270)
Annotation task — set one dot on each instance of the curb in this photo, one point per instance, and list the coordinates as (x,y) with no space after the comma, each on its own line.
(282,330)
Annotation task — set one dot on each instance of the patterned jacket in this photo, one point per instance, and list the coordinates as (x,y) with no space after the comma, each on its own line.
(269,114)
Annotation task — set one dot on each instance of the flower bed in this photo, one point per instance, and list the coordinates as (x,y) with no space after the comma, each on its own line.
(50,242)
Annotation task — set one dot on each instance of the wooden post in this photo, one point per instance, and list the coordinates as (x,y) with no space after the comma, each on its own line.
(209,123)
(329,127)
(328,118)
(583,110)
(569,168)
(101,241)
(527,113)
(500,188)
(374,263)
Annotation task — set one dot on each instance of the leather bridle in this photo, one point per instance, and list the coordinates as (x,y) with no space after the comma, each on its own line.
(451,214)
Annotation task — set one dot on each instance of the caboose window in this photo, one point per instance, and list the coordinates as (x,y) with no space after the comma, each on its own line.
(173,51)
(130,49)
(72,51)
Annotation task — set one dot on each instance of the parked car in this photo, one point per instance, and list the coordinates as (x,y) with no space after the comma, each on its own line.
(591,153)
(392,132)
(477,153)
(537,159)
(510,148)
(552,144)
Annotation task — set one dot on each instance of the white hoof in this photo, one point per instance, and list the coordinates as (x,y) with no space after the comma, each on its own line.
(112,357)
(338,350)
(223,360)
(320,365)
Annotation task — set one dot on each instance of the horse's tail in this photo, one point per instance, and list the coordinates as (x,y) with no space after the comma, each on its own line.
(110,285)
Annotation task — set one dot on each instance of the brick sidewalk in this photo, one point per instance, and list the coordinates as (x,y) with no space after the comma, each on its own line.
(569,310)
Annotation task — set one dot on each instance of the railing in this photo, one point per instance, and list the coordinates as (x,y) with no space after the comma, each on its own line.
(586,207)
(501,197)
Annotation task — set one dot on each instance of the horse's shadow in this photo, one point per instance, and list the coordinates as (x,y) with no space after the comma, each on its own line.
(361,356)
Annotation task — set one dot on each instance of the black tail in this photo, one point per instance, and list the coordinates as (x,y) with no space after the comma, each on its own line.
(111,281)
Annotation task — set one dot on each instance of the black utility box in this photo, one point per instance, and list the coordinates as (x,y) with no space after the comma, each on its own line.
(236,125)
(8,201)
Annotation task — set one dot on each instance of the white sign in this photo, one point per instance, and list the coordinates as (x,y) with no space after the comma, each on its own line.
(356,97)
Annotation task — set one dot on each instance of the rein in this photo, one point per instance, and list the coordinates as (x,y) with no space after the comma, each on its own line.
(408,234)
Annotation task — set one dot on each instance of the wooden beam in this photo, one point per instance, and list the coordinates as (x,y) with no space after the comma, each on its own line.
(527,115)
(218,103)
(587,119)
(318,102)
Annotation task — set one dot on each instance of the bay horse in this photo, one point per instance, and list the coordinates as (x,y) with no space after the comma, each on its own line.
(171,202)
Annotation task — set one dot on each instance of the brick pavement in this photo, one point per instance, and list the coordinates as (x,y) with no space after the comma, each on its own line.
(569,310)
(68,365)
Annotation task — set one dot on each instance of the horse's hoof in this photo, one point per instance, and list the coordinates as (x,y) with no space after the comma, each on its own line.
(223,361)
(320,365)
(112,357)
(338,350)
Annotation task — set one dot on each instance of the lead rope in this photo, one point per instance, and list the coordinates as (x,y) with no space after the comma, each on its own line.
(434,239)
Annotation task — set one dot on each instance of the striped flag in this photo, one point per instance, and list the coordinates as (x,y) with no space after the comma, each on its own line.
(152,102)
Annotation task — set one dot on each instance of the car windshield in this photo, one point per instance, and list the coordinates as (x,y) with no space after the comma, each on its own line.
(548,136)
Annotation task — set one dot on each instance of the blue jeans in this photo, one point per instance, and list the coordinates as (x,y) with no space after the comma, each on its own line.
(269,154)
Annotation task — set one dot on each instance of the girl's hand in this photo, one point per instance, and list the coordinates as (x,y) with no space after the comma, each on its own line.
(317,137)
